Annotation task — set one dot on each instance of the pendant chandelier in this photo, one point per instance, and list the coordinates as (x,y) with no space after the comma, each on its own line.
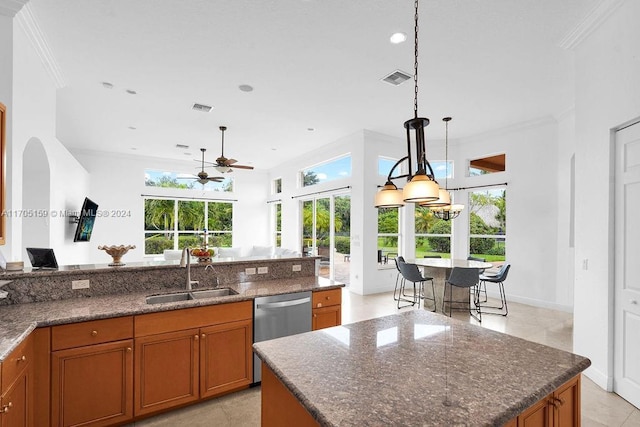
(442,208)
(421,187)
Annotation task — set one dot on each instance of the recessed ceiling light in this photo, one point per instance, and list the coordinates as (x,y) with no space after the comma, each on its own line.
(311,129)
(132,128)
(131,92)
(182,146)
(107,85)
(246,88)
(397,38)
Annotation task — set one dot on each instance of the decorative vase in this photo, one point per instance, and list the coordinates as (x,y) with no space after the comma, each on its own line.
(116,252)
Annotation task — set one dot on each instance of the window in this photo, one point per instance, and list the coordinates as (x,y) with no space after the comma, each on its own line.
(440,169)
(154,178)
(487,165)
(384,165)
(277,186)
(277,216)
(178,223)
(388,234)
(433,235)
(488,224)
(328,171)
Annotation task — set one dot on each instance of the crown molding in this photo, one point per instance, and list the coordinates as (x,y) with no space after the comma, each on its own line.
(589,23)
(11,7)
(31,28)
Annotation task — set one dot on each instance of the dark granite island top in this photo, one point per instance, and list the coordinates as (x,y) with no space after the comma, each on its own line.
(416,368)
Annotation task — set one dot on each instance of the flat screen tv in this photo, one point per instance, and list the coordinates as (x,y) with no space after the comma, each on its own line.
(42,258)
(86,220)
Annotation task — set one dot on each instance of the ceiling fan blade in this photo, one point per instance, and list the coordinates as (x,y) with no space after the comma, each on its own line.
(241,166)
(229,162)
(216,178)
(187,177)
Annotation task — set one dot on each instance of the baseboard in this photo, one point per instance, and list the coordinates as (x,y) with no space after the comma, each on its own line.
(603,381)
(534,302)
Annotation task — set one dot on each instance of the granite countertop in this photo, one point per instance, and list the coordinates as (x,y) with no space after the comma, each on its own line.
(416,368)
(18,320)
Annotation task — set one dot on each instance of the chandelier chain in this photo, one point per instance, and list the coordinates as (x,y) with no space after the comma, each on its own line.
(415,62)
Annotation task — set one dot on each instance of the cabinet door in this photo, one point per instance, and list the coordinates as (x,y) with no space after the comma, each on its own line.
(567,404)
(226,361)
(326,317)
(166,370)
(92,384)
(15,404)
(538,415)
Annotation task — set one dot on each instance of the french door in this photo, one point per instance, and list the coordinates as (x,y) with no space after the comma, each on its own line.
(627,268)
(326,228)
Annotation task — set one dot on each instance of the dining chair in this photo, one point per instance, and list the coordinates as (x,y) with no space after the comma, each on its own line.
(498,278)
(463,277)
(411,273)
(398,276)
(474,258)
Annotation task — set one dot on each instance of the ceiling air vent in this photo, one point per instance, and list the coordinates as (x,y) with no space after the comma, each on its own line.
(201,107)
(397,77)
(182,146)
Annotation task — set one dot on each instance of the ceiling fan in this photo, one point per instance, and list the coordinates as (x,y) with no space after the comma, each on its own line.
(203,177)
(224,165)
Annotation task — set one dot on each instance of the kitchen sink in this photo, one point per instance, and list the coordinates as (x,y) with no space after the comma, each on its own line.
(221,292)
(190,295)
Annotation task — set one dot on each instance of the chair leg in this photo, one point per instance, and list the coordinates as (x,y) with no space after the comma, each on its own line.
(396,288)
(401,293)
(503,301)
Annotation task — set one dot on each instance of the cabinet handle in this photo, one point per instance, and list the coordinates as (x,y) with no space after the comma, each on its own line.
(203,336)
(553,403)
(94,333)
(21,359)
(6,407)
(129,350)
(315,315)
(328,298)
(195,337)
(559,401)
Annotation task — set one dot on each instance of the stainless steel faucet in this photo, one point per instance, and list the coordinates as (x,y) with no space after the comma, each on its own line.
(217,280)
(185,261)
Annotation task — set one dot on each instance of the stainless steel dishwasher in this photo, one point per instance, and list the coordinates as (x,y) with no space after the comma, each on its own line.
(278,316)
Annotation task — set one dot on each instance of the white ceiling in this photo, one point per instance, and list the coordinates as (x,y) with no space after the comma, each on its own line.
(313,64)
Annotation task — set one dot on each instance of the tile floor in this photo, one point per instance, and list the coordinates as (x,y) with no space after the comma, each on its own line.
(549,327)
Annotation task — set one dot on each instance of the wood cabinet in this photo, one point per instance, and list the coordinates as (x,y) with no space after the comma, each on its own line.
(559,409)
(186,355)
(92,373)
(17,392)
(327,309)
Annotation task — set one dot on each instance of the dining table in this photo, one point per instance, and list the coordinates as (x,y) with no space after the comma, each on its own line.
(440,269)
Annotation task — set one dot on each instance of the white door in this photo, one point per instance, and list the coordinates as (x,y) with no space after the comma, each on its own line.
(627,265)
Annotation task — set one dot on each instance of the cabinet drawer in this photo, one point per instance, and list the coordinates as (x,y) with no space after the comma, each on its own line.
(93,332)
(16,361)
(327,298)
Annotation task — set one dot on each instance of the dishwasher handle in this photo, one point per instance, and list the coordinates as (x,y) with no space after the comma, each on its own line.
(283,303)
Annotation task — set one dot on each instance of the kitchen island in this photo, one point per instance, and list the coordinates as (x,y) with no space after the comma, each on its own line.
(413,368)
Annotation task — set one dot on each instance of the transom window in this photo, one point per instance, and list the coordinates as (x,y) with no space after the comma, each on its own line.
(327,171)
(164,179)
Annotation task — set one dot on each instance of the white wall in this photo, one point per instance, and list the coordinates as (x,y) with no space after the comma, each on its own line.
(34,114)
(6,97)
(532,207)
(117,184)
(607,95)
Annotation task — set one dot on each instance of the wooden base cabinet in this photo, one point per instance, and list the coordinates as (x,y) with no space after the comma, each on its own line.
(15,403)
(92,373)
(16,389)
(560,409)
(166,370)
(186,355)
(327,309)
